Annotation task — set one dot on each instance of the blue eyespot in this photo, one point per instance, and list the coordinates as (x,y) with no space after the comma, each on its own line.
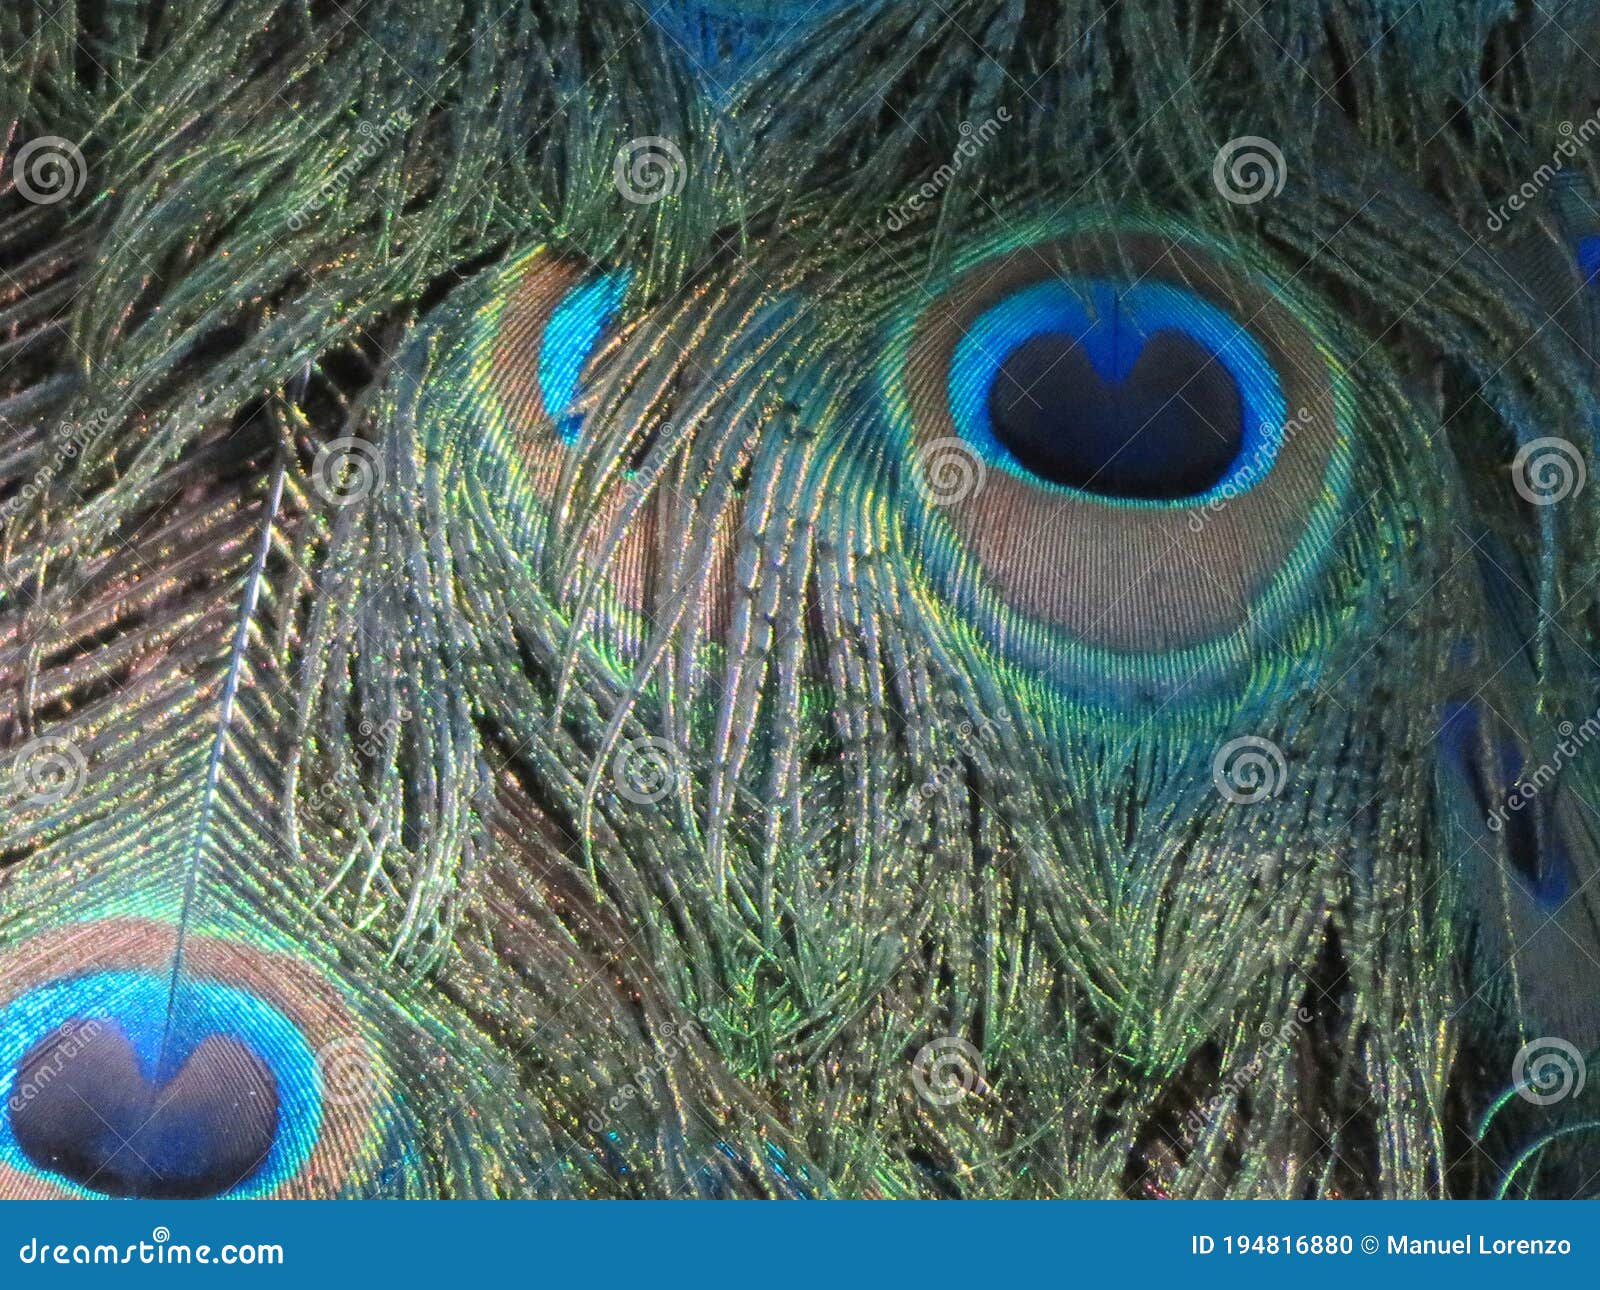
(118,1082)
(1144,392)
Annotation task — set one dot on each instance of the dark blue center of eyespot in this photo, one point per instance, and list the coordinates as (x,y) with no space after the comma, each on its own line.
(83,1108)
(1172,428)
(1145,391)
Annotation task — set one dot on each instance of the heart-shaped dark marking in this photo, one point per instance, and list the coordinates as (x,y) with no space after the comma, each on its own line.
(81,1107)
(1173,428)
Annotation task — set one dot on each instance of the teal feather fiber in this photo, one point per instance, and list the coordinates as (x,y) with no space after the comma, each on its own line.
(640,780)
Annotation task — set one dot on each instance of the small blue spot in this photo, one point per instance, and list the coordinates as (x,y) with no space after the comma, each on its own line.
(1589,257)
(570,338)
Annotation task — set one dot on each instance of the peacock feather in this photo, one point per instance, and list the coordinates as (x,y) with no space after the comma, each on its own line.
(769,599)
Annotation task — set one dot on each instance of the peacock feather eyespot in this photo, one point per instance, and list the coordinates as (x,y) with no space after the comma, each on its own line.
(1490,761)
(518,384)
(1141,411)
(1588,256)
(1558,267)
(503,399)
(543,323)
(568,342)
(1517,828)
(129,1067)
